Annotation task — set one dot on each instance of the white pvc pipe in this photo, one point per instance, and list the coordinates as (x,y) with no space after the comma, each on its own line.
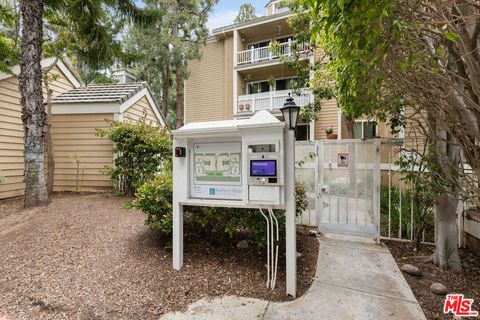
(274,280)
(268,248)
(272,251)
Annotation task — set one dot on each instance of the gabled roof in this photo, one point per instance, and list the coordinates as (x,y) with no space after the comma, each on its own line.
(46,63)
(104,93)
(252,22)
(104,98)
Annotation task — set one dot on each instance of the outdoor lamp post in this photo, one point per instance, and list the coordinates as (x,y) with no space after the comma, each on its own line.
(290,115)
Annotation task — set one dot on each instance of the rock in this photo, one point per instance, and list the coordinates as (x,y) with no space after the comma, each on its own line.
(312,233)
(242,244)
(411,270)
(438,288)
(299,255)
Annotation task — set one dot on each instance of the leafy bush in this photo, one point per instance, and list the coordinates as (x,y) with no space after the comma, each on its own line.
(154,198)
(141,150)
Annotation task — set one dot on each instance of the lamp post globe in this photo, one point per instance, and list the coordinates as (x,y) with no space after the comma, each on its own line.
(290,112)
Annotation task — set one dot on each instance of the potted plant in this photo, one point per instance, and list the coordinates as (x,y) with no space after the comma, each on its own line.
(248,78)
(330,134)
(247,106)
(241,107)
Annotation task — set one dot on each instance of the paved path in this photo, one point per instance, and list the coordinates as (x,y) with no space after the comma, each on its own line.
(355,279)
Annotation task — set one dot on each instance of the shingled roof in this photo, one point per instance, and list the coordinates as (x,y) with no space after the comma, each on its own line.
(98,93)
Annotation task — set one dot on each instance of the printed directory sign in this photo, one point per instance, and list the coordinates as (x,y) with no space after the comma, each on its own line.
(217,171)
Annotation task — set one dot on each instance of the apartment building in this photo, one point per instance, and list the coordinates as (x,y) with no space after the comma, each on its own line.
(240,73)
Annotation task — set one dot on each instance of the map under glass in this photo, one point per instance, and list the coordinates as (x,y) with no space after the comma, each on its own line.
(217,167)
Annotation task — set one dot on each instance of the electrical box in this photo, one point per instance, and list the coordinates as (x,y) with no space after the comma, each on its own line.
(265,169)
(238,162)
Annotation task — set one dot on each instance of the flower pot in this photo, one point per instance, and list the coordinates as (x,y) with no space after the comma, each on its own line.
(332,136)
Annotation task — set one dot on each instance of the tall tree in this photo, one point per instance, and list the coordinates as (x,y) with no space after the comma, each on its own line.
(246,12)
(33,111)
(189,18)
(88,19)
(151,59)
(179,36)
(423,55)
(9,34)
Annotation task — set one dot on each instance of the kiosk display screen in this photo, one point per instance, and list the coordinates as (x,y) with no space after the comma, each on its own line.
(263,168)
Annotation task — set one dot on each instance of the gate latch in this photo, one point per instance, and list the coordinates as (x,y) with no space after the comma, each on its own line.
(325,189)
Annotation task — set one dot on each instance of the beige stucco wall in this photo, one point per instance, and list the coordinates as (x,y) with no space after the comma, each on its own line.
(11,132)
(206,94)
(137,110)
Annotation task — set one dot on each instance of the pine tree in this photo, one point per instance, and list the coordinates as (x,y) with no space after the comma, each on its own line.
(246,12)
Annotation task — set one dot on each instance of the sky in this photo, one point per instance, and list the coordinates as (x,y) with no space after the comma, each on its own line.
(225,12)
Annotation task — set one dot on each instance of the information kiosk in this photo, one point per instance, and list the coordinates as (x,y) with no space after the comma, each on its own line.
(237,163)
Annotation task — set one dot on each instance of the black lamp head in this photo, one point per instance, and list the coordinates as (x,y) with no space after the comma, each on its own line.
(290,112)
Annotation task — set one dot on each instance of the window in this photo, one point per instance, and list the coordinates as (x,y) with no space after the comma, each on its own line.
(284,84)
(284,40)
(257,87)
(364,130)
(280,8)
(262,44)
(302,132)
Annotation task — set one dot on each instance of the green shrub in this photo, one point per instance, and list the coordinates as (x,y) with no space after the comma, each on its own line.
(154,198)
(2,178)
(141,150)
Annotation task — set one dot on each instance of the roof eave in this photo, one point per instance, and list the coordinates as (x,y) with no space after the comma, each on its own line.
(259,20)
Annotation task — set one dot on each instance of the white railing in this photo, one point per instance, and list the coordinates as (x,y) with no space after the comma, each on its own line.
(266,53)
(271,100)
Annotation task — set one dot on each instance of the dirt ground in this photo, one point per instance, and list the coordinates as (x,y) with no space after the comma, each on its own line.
(85,257)
(467,282)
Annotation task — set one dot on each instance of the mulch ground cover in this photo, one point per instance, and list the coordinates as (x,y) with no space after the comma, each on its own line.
(85,257)
(467,283)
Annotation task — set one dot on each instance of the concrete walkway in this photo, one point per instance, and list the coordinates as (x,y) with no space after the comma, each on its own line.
(355,279)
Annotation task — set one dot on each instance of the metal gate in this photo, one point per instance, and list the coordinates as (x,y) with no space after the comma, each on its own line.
(348,188)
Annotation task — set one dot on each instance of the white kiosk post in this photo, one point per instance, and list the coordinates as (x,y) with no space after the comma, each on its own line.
(236,163)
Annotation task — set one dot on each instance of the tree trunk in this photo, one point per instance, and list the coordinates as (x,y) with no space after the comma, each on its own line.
(350,128)
(446,157)
(179,78)
(49,142)
(165,87)
(33,111)
(80,64)
(178,73)
(446,236)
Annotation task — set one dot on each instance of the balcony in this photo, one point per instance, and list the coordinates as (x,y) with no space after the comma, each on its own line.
(262,54)
(272,100)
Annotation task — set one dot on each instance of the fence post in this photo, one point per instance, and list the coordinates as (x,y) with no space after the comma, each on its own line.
(376,186)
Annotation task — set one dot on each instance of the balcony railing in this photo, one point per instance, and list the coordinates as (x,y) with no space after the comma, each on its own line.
(272,100)
(266,53)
